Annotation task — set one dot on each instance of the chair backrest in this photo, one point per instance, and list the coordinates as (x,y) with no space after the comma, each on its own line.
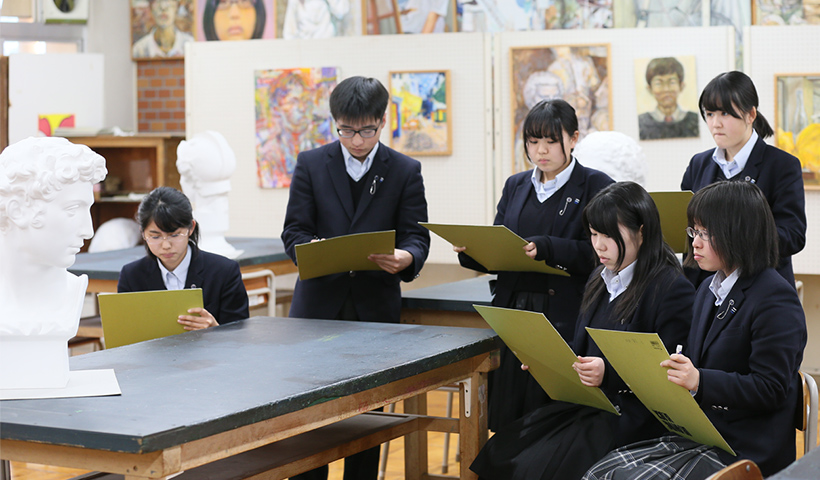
(261,287)
(740,470)
(808,410)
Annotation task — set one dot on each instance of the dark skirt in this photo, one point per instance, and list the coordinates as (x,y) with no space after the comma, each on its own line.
(558,441)
(512,391)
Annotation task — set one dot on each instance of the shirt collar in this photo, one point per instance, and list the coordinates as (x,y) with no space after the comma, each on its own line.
(545,190)
(354,167)
(730,169)
(721,285)
(616,283)
(678,115)
(181,272)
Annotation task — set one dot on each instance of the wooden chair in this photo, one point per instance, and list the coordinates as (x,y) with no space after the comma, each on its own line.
(89,333)
(261,287)
(740,470)
(807,421)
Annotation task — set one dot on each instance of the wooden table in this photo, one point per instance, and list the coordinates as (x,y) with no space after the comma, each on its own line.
(197,397)
(449,304)
(103,269)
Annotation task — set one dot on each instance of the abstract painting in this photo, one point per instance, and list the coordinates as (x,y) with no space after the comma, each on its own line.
(420,113)
(578,74)
(292,116)
(797,122)
(49,123)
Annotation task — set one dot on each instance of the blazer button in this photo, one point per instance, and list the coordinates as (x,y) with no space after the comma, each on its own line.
(352,273)
(551,291)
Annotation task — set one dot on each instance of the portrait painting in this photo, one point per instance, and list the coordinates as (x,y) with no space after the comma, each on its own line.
(235,19)
(161,28)
(578,74)
(420,122)
(305,19)
(658,13)
(409,16)
(786,12)
(292,116)
(797,122)
(667,97)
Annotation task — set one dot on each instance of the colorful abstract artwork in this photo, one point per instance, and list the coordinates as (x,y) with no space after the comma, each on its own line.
(292,116)
(578,74)
(797,122)
(420,120)
(48,123)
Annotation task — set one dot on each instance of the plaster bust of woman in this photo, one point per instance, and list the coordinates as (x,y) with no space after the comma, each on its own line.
(46,192)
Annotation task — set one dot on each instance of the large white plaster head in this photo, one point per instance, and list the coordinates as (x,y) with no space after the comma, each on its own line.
(615,154)
(205,158)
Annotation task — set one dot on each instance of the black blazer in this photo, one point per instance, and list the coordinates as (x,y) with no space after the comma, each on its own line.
(748,360)
(780,178)
(568,249)
(223,293)
(321,206)
(666,309)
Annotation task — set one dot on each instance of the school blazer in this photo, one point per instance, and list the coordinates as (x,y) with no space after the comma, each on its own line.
(223,293)
(666,309)
(321,206)
(748,361)
(780,178)
(568,248)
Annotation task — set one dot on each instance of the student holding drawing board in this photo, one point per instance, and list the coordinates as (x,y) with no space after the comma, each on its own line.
(174,262)
(639,287)
(544,207)
(744,349)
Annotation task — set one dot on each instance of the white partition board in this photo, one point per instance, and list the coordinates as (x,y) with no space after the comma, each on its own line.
(787,50)
(55,83)
(667,159)
(219,95)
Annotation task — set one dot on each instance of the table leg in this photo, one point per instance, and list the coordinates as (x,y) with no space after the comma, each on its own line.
(415,444)
(5,470)
(473,431)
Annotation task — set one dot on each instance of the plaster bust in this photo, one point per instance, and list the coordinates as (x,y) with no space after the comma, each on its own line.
(206,163)
(614,153)
(46,192)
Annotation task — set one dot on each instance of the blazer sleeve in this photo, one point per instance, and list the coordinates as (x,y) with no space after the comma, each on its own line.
(300,216)
(124,281)
(233,296)
(411,236)
(788,203)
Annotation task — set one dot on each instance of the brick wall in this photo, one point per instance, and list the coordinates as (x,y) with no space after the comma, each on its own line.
(161,96)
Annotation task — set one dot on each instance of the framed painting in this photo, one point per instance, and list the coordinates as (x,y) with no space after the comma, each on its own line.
(667,97)
(65,11)
(235,20)
(658,13)
(797,122)
(408,16)
(308,19)
(420,121)
(793,12)
(292,115)
(578,74)
(161,28)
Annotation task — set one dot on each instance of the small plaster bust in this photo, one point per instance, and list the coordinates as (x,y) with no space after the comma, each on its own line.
(46,192)
(206,163)
(615,154)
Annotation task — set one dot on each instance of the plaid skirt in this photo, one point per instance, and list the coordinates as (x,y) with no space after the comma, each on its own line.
(670,457)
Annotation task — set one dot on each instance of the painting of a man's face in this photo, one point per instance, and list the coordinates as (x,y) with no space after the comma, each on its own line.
(665,89)
(164,12)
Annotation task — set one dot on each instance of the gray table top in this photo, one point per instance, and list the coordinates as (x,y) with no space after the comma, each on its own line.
(190,386)
(456,296)
(107,265)
(806,468)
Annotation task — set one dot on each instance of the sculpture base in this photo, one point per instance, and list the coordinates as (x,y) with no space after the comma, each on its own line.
(33,361)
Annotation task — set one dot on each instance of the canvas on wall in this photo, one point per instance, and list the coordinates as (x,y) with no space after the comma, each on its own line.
(522,15)
(797,121)
(408,16)
(420,113)
(788,12)
(306,19)
(667,97)
(578,74)
(65,11)
(161,28)
(658,13)
(292,116)
(235,19)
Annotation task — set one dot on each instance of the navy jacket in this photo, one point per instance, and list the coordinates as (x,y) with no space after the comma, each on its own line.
(568,249)
(780,178)
(666,309)
(223,293)
(748,360)
(321,206)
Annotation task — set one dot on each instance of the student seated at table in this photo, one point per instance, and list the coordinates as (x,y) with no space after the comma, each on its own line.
(639,287)
(742,356)
(174,262)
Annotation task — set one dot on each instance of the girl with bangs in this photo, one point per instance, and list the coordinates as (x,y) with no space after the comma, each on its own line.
(742,353)
(543,206)
(173,261)
(729,105)
(638,287)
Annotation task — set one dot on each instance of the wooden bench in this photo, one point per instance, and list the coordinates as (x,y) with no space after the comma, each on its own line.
(308,450)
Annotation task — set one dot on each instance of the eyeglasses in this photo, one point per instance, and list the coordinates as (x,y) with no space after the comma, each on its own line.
(364,133)
(226,4)
(175,238)
(703,234)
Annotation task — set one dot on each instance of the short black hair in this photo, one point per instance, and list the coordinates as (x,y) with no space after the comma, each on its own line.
(731,90)
(170,210)
(549,119)
(358,99)
(663,66)
(208,19)
(744,238)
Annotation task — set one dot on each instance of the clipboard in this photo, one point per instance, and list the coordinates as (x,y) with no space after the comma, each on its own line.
(672,208)
(347,253)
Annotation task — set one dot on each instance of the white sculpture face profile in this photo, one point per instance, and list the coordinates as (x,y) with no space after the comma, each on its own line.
(206,163)
(614,153)
(46,192)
